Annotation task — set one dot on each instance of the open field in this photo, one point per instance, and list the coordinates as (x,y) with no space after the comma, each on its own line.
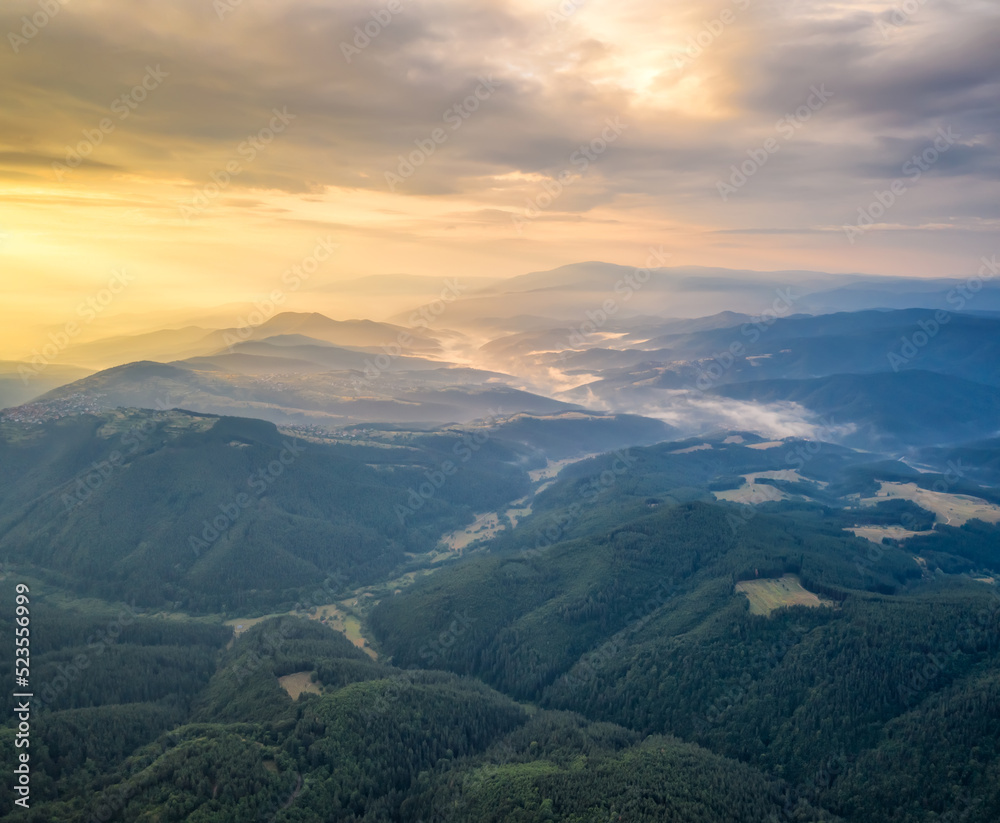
(951,509)
(485,526)
(767,595)
(298,683)
(352,630)
(341,618)
(553,467)
(244,624)
(337,616)
(876,533)
(699,448)
(516,515)
(752,494)
(788,475)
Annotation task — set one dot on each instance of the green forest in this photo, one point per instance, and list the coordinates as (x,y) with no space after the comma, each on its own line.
(613,657)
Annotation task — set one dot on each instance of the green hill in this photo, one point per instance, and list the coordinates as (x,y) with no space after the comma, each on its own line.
(376,743)
(628,614)
(201,513)
(911,408)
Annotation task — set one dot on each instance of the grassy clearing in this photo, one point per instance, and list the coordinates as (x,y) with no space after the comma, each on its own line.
(753,492)
(767,595)
(352,629)
(553,467)
(699,448)
(298,683)
(485,526)
(876,533)
(244,624)
(951,509)
(516,515)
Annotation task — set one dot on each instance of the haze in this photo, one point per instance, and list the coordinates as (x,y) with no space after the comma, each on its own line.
(163,99)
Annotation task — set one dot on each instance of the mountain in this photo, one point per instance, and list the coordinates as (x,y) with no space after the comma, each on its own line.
(691,379)
(574,434)
(195,341)
(796,346)
(958,345)
(569,293)
(294,390)
(198,512)
(22,382)
(163,344)
(676,370)
(905,293)
(912,408)
(432,591)
(292,504)
(425,745)
(639,602)
(408,284)
(327,355)
(689,630)
(579,291)
(594,275)
(979,460)
(342,332)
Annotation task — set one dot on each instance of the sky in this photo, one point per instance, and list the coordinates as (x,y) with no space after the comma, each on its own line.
(188,154)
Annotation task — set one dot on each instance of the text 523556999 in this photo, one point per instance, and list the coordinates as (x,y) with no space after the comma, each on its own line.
(22,695)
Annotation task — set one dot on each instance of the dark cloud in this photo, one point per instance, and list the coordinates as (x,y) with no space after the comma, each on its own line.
(353,120)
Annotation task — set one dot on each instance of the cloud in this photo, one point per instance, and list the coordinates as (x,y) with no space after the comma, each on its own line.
(353,120)
(692,114)
(695,413)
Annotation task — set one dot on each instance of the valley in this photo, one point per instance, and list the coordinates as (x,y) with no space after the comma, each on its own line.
(500,412)
(532,590)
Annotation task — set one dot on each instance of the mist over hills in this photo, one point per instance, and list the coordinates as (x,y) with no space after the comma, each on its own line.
(890,411)
(616,631)
(568,293)
(574,337)
(439,412)
(194,341)
(424,286)
(522,569)
(285,390)
(21,382)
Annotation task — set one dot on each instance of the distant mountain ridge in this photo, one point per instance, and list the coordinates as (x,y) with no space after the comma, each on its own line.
(289,391)
(912,408)
(195,341)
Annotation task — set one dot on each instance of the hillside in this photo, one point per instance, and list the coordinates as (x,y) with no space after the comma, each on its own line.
(913,408)
(202,513)
(601,657)
(23,382)
(374,743)
(287,389)
(624,609)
